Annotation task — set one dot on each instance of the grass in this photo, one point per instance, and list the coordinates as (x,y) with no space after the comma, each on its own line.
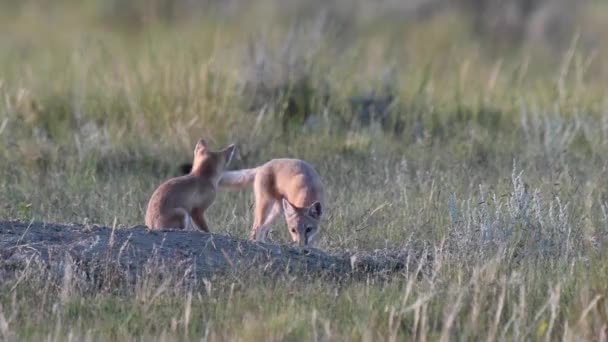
(493,159)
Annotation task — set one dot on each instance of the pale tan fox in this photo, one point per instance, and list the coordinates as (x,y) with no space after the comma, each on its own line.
(181,200)
(290,183)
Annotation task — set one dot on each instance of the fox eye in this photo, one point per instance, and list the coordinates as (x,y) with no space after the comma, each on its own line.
(293,230)
(308,229)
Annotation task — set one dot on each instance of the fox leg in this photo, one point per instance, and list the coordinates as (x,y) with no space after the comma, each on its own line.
(199,218)
(262,204)
(175,218)
(265,211)
(272,213)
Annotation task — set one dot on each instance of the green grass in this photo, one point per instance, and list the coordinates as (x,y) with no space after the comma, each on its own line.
(96,111)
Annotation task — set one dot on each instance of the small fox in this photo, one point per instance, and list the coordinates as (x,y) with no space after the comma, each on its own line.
(181,202)
(289,183)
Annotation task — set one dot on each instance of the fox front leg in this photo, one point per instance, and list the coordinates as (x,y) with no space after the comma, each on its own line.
(198,216)
(263,223)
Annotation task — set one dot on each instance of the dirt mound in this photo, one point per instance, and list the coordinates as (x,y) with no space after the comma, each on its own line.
(131,249)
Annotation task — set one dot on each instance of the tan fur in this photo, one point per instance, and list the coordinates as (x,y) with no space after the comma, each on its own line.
(290,184)
(181,202)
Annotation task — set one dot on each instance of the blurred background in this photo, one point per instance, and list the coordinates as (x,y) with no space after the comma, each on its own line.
(303,56)
(294,59)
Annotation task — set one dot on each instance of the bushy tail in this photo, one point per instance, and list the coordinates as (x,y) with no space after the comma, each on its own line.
(235,180)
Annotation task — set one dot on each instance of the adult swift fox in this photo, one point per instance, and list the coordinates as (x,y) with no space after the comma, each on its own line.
(181,200)
(289,183)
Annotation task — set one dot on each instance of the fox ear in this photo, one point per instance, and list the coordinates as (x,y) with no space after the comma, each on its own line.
(229,153)
(201,144)
(289,209)
(315,210)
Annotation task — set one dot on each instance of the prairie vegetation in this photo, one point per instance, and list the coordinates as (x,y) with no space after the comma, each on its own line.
(474,130)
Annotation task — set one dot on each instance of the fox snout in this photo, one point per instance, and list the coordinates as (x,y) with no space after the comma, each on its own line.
(304,236)
(301,241)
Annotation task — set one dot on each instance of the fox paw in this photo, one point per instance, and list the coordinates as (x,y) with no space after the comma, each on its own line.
(254,239)
(192,228)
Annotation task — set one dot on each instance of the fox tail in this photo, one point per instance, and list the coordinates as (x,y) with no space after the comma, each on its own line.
(237,179)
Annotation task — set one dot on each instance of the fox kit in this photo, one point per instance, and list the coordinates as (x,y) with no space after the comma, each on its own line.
(291,184)
(181,200)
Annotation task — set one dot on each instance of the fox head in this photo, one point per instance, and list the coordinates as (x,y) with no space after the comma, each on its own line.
(210,163)
(303,223)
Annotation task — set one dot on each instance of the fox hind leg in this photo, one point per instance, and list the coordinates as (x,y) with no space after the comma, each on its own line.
(175,218)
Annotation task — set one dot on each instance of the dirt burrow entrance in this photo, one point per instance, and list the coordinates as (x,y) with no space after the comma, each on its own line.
(131,249)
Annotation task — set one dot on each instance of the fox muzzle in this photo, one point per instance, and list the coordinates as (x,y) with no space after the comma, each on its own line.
(302,241)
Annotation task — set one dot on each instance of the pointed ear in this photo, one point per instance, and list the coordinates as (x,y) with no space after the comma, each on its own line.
(289,209)
(229,153)
(315,210)
(201,144)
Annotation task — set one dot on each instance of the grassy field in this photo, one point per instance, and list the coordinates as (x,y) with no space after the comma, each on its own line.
(494,158)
